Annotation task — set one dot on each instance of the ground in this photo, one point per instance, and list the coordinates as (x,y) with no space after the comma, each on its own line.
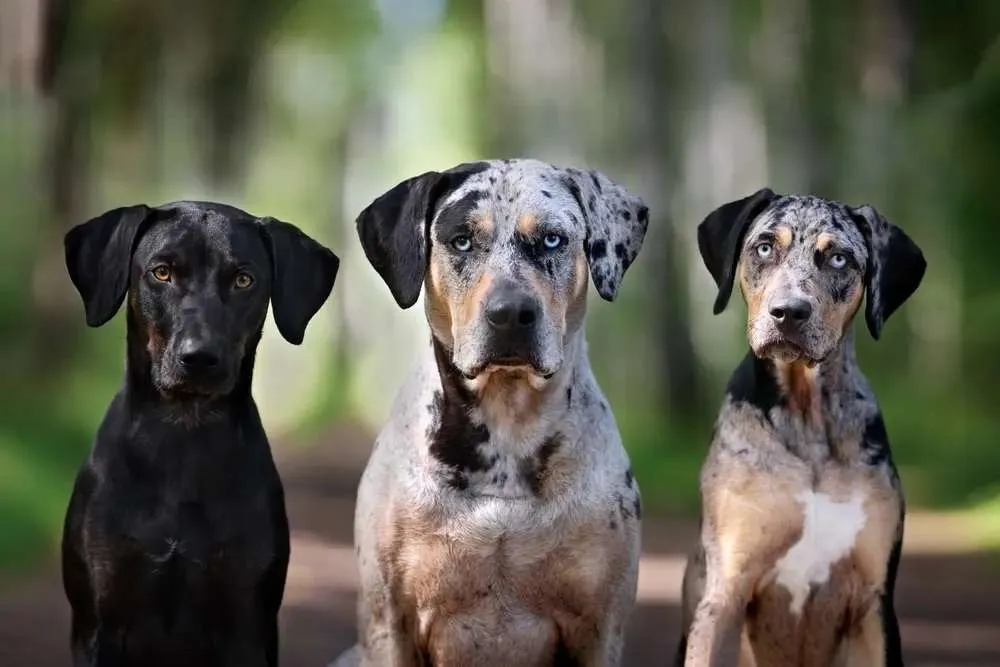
(948,602)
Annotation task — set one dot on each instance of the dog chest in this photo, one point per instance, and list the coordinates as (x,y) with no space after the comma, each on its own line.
(472,581)
(829,532)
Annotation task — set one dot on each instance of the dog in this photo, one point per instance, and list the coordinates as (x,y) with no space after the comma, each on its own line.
(175,545)
(498,518)
(802,508)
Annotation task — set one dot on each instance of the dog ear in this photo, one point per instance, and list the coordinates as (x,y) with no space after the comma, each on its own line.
(98,258)
(895,266)
(303,275)
(616,223)
(395,228)
(720,238)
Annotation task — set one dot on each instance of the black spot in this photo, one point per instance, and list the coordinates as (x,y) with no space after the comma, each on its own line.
(564,656)
(875,441)
(598,249)
(629,478)
(550,267)
(627,214)
(644,214)
(454,438)
(858,395)
(620,251)
(592,203)
(840,291)
(637,506)
(546,194)
(597,181)
(569,396)
(753,383)
(535,470)
(604,406)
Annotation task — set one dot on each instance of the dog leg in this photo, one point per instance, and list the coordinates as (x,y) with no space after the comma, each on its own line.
(873,645)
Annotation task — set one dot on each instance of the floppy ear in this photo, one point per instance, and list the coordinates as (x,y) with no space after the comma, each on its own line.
(895,266)
(303,275)
(98,257)
(720,237)
(616,223)
(394,229)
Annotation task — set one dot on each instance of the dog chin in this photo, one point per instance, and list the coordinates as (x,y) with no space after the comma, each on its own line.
(176,386)
(784,350)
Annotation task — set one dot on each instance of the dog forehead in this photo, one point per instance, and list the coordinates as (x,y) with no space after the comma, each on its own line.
(209,231)
(808,218)
(509,189)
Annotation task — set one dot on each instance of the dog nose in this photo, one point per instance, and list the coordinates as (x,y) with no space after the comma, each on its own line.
(511,311)
(791,311)
(198,355)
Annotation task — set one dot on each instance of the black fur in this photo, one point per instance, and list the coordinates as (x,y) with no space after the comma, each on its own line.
(175,544)
(896,266)
(753,382)
(454,437)
(394,229)
(720,237)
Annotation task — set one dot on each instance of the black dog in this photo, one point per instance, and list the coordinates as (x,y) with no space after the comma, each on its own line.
(176,545)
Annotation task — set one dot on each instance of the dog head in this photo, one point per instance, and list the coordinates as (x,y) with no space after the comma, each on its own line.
(503,248)
(199,277)
(804,264)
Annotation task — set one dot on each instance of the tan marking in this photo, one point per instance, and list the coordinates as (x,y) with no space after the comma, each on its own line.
(436,304)
(506,397)
(484,224)
(527,225)
(800,384)
(468,305)
(823,241)
(577,307)
(783,235)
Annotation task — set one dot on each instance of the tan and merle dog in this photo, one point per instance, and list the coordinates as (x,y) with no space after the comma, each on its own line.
(802,509)
(497,521)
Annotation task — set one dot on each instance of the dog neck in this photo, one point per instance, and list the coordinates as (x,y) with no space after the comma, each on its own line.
(808,393)
(504,399)
(188,411)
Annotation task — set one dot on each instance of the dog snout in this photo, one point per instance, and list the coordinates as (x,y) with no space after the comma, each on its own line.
(509,310)
(199,355)
(790,311)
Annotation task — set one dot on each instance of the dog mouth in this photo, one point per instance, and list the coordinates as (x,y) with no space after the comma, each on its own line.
(509,365)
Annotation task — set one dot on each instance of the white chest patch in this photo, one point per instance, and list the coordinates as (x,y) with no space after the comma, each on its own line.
(829,529)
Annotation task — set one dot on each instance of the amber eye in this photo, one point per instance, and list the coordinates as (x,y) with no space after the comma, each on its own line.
(243,280)
(161,273)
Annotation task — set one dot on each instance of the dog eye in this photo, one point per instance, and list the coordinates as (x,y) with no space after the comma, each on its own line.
(765,249)
(161,273)
(243,280)
(838,260)
(552,241)
(462,243)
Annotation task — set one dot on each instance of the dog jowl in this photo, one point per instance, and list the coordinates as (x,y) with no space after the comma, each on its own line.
(176,543)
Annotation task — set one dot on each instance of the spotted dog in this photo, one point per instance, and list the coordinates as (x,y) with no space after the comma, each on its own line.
(498,519)
(802,509)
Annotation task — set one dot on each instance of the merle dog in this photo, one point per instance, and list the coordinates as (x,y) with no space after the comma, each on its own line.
(176,545)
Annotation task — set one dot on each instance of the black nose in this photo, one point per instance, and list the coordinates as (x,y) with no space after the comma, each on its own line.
(198,355)
(791,311)
(511,310)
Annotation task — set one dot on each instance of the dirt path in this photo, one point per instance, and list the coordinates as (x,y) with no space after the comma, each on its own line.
(949,604)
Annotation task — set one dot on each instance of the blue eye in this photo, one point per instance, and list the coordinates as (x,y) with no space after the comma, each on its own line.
(552,241)
(462,243)
(764,250)
(838,260)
